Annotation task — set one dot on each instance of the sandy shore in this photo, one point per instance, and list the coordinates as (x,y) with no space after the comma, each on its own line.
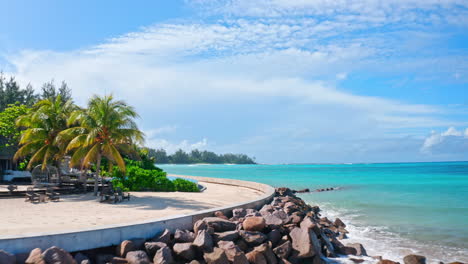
(84,211)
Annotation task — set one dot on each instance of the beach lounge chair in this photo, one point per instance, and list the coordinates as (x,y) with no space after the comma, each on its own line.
(52,196)
(11,188)
(120,195)
(107,195)
(31,196)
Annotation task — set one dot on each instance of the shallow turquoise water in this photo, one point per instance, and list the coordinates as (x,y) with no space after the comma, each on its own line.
(422,206)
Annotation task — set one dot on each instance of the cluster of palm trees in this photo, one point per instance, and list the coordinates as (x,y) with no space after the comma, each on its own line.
(55,128)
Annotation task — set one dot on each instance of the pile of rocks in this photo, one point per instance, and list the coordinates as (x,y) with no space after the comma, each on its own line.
(285,231)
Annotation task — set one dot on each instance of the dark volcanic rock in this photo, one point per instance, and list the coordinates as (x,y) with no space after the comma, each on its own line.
(137,257)
(81,259)
(233,252)
(216,257)
(267,252)
(219,224)
(56,255)
(274,236)
(124,247)
(164,237)
(386,261)
(226,236)
(414,259)
(203,241)
(152,247)
(256,257)
(163,256)
(183,236)
(339,223)
(360,251)
(118,260)
(253,238)
(283,250)
(239,212)
(184,250)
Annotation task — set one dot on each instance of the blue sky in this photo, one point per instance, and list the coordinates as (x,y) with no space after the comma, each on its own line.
(284,81)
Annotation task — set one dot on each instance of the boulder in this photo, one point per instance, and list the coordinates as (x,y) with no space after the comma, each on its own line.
(137,257)
(339,223)
(7,258)
(283,250)
(348,251)
(267,252)
(303,241)
(255,223)
(35,257)
(284,191)
(216,257)
(267,209)
(138,243)
(183,236)
(253,238)
(414,259)
(226,236)
(274,236)
(56,255)
(306,190)
(256,257)
(220,215)
(118,260)
(164,237)
(163,256)
(104,258)
(81,258)
(387,261)
(124,247)
(360,250)
(184,250)
(219,224)
(239,213)
(233,252)
(355,260)
(152,247)
(272,220)
(203,241)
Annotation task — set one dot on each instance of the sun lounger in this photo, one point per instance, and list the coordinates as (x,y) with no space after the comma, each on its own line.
(31,196)
(52,196)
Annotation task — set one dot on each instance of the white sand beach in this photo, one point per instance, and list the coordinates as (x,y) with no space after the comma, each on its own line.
(85,211)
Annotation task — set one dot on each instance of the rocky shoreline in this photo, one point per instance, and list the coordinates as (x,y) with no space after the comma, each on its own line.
(286,231)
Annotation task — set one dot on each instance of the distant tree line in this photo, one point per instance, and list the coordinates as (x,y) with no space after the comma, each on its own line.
(196,156)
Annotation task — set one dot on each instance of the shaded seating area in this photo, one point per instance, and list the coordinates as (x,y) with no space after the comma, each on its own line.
(109,194)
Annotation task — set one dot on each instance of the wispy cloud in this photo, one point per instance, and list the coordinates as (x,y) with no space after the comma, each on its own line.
(281,63)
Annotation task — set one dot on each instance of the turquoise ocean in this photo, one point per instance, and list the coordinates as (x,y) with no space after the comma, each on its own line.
(393,209)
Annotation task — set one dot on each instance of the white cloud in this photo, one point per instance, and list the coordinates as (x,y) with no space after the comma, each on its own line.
(450,141)
(172,147)
(151,133)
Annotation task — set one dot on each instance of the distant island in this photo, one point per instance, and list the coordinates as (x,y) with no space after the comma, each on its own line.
(196,156)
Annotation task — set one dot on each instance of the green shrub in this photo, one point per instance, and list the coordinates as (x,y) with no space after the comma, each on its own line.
(183,185)
(139,179)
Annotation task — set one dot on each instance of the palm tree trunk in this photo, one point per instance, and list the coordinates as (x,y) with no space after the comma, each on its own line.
(96,176)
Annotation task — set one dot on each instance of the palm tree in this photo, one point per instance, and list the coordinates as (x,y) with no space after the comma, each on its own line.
(105,129)
(42,124)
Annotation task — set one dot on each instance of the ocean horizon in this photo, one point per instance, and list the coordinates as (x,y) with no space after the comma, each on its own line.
(393,209)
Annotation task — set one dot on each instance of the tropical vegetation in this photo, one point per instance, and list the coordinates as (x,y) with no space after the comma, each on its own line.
(103,137)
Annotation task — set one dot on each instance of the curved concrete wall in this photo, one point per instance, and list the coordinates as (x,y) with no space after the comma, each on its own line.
(83,239)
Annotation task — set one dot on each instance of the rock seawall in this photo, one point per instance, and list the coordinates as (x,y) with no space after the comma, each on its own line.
(287,230)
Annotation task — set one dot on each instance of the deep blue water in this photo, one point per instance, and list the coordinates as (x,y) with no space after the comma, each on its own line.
(393,207)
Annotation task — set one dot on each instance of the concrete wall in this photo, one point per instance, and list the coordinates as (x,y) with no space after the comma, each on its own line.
(75,240)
